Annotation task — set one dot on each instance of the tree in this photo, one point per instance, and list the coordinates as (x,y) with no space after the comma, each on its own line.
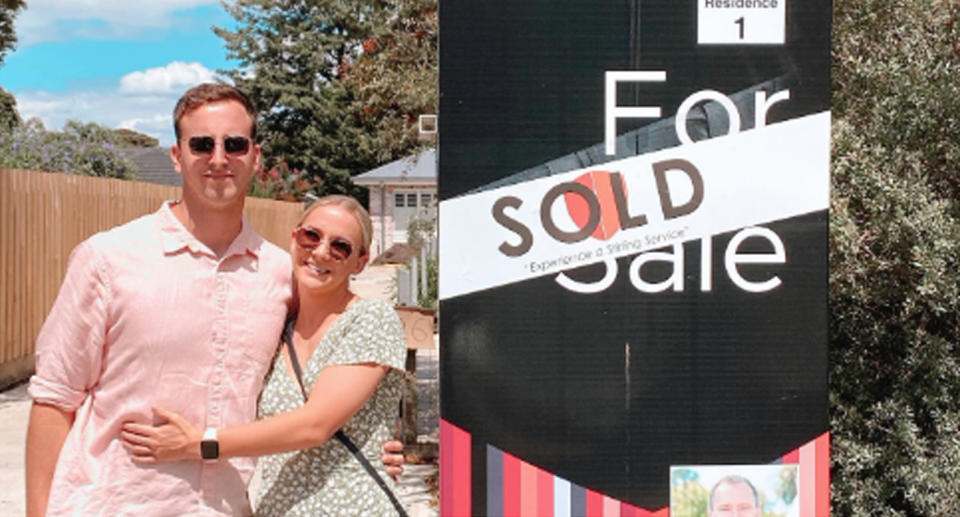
(8,36)
(895,259)
(283,183)
(688,498)
(9,117)
(394,81)
(295,58)
(130,138)
(86,149)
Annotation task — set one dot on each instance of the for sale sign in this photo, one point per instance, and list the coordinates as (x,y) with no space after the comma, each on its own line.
(633,257)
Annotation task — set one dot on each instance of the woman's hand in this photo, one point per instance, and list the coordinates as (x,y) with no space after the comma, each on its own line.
(173,439)
(392,458)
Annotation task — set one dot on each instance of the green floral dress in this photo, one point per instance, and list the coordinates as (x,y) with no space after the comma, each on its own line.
(328,480)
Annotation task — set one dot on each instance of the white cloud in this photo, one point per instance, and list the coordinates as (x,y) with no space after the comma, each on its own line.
(59,20)
(176,76)
(148,114)
(142,100)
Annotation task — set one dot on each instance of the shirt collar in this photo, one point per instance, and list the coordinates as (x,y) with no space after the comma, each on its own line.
(176,237)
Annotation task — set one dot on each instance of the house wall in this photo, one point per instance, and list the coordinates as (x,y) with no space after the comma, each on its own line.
(383,212)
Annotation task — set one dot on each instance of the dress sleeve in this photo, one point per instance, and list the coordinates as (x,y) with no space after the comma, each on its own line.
(70,343)
(374,336)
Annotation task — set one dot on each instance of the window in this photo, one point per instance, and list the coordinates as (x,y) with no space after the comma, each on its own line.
(425,199)
(398,200)
(412,200)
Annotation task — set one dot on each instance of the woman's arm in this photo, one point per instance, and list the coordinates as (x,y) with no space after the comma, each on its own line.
(338,393)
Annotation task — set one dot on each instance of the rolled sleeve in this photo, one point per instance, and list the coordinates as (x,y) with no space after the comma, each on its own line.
(71,342)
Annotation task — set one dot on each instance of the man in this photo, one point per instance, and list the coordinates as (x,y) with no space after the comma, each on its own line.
(180,309)
(733,496)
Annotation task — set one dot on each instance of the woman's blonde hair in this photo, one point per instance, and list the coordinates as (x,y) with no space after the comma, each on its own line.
(354,207)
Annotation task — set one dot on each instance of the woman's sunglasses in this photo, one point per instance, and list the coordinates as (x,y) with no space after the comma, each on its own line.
(309,239)
(235,145)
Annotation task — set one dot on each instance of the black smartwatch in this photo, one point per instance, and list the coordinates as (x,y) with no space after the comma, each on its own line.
(209,446)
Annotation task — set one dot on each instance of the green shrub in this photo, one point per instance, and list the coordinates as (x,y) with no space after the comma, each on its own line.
(894,253)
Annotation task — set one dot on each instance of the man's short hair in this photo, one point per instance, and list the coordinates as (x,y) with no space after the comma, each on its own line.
(733,479)
(212,92)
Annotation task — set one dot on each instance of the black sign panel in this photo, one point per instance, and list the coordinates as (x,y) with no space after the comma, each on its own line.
(608,315)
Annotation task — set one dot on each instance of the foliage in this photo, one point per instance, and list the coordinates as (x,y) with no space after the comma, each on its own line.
(688,498)
(429,298)
(291,55)
(296,60)
(393,81)
(787,490)
(283,183)
(130,138)
(9,117)
(422,233)
(8,36)
(895,259)
(86,149)
(422,228)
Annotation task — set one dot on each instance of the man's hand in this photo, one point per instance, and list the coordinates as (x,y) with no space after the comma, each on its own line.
(392,458)
(46,433)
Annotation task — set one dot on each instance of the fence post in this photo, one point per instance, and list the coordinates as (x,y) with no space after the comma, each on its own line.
(414,282)
(423,271)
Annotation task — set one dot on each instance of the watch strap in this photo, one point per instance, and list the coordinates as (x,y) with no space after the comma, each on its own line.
(209,445)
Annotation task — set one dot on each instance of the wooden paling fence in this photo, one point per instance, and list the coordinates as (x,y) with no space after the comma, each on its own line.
(43,216)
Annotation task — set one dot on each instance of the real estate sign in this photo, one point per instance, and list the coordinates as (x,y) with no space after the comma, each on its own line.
(633,253)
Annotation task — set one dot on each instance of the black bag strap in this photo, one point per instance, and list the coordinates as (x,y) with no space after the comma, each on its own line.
(346,441)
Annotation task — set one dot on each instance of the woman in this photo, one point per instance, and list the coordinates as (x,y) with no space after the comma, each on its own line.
(351,351)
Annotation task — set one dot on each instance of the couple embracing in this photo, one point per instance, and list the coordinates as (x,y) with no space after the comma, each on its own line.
(173,332)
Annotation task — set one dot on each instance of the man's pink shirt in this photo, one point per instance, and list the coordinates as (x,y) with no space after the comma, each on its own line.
(148,316)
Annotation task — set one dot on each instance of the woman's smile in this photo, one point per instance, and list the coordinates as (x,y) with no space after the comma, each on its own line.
(317,269)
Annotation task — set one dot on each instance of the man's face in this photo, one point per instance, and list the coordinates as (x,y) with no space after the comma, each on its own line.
(216,176)
(733,500)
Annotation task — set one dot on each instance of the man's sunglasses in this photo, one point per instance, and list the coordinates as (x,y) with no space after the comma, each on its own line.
(235,145)
(309,239)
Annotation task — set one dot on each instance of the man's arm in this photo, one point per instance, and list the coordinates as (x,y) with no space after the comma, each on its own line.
(68,362)
(46,433)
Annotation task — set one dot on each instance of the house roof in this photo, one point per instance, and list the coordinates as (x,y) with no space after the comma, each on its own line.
(417,169)
(153,165)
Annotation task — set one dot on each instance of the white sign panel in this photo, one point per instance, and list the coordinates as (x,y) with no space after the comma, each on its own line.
(621,208)
(741,22)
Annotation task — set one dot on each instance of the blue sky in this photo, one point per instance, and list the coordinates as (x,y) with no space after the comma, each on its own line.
(120,63)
